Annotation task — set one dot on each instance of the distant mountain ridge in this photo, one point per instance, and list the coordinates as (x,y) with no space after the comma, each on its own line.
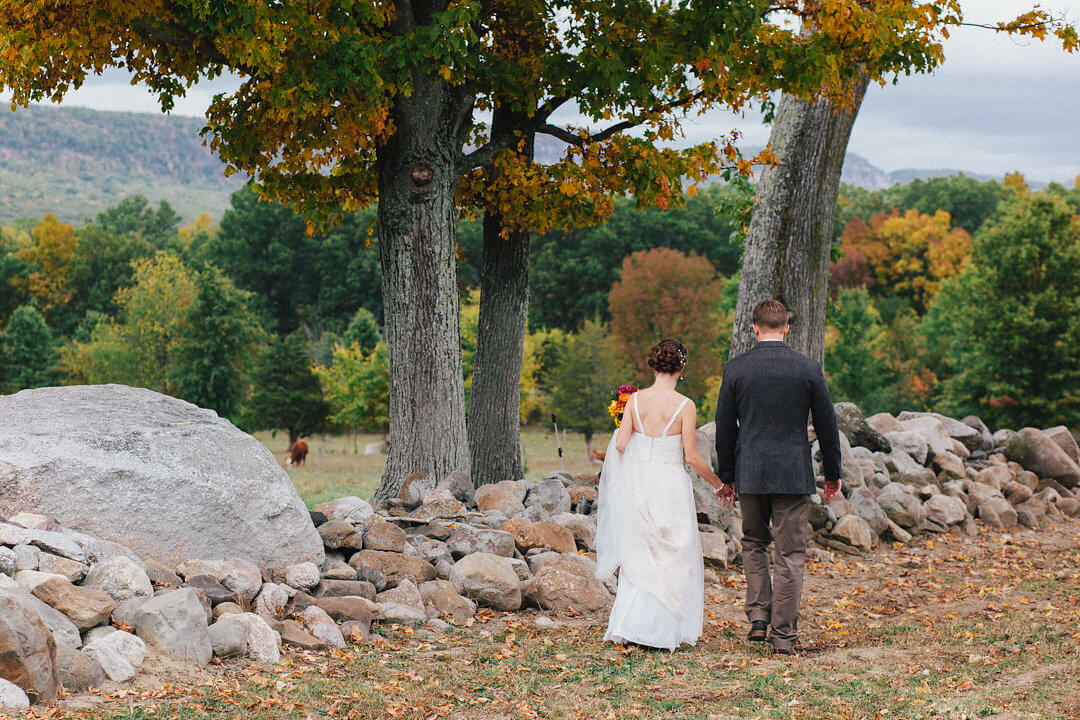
(75,162)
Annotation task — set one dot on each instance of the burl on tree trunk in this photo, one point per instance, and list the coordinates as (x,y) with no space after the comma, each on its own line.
(417,216)
(786,254)
(495,403)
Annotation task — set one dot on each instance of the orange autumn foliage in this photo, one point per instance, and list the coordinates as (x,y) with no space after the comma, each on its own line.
(909,254)
(667,293)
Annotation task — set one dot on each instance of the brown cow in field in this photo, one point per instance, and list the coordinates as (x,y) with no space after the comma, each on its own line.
(297,453)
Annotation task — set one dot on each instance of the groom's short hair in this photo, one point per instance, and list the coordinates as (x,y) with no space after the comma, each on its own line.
(771,314)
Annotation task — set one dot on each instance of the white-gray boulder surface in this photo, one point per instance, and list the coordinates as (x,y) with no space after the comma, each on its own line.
(155,473)
(175,623)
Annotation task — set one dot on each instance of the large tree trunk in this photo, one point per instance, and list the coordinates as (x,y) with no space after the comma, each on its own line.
(786,254)
(417,178)
(495,403)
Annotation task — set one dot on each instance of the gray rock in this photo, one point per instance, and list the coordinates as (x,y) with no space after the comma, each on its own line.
(460,485)
(949,466)
(271,601)
(449,603)
(302,576)
(1002,437)
(1065,440)
(507,497)
(175,623)
(432,551)
(319,624)
(945,510)
(150,471)
(1040,454)
(9,561)
(535,514)
(334,532)
(855,428)
(489,580)
(413,489)
(27,651)
(931,430)
(969,436)
(12,696)
(566,584)
(714,548)
(51,542)
(549,494)
(583,527)
(468,539)
(903,468)
(884,423)
(120,578)
(984,432)
(351,509)
(63,630)
(228,636)
(241,577)
(28,556)
(86,607)
(78,671)
(901,505)
(119,653)
(855,531)
(263,642)
(865,506)
(997,512)
(910,442)
(72,570)
(398,614)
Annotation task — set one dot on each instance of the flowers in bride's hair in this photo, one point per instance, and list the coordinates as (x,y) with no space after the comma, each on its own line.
(619,396)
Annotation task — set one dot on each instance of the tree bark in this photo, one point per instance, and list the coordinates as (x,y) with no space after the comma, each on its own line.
(495,403)
(788,243)
(417,215)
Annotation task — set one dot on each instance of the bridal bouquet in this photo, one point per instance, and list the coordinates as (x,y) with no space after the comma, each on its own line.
(619,397)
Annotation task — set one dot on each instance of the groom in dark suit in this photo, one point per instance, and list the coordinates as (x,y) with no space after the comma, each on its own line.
(763,452)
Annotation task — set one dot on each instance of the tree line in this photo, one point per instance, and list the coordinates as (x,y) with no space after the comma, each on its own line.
(948,294)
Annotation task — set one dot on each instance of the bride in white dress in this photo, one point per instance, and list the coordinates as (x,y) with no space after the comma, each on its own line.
(647,521)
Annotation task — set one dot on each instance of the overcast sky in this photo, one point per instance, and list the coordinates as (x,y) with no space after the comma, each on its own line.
(995,106)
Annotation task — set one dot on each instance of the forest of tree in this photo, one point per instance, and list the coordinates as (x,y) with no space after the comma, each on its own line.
(951,294)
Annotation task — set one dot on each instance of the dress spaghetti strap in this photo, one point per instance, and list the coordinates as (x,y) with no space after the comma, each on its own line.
(673,417)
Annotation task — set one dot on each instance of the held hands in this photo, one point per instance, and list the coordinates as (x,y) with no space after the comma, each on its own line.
(726,493)
(831,488)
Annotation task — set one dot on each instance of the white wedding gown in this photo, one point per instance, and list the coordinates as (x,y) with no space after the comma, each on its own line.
(647,529)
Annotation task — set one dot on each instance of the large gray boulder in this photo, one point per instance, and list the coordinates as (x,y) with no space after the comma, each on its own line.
(155,473)
(1036,451)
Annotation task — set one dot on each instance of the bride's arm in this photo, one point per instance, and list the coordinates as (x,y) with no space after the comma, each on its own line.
(693,457)
(626,428)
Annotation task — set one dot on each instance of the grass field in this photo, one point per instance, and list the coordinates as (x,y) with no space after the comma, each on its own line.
(335,466)
(949,628)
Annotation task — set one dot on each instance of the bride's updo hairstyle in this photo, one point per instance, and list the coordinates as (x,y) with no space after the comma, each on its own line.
(667,356)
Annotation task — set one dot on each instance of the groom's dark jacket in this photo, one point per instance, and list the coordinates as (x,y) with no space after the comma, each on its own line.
(766,397)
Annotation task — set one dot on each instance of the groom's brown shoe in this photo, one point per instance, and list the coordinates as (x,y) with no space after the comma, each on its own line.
(759,631)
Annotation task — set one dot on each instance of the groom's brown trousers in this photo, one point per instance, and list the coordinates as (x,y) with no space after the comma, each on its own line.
(775,600)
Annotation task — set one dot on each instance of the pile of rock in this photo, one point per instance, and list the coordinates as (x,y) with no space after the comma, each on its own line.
(925,472)
(81,611)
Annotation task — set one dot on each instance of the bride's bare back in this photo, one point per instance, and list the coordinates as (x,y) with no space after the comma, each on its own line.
(655,407)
